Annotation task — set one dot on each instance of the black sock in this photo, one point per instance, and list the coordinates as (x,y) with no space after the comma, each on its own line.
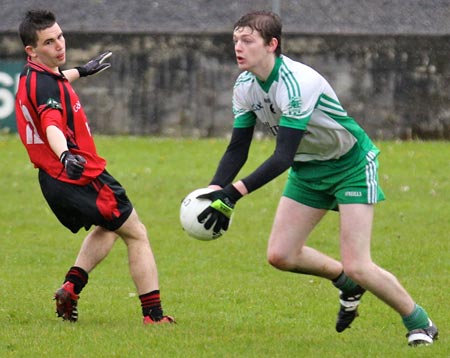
(78,277)
(151,305)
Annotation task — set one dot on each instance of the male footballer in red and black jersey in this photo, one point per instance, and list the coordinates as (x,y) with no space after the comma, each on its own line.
(45,99)
(55,132)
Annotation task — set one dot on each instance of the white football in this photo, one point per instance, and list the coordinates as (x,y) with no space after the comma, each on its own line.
(190,208)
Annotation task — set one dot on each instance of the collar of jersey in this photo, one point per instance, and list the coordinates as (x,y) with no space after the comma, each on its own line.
(272,77)
(44,69)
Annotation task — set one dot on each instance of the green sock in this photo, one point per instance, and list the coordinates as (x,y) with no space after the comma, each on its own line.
(417,319)
(344,283)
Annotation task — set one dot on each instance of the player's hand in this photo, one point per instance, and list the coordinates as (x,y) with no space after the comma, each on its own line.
(95,65)
(220,210)
(73,164)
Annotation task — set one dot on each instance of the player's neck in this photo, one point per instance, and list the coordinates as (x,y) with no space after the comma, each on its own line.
(263,71)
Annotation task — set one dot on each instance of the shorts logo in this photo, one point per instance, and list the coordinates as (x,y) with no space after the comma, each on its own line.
(353,193)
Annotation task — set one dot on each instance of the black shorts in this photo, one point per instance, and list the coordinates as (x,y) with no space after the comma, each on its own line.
(103,202)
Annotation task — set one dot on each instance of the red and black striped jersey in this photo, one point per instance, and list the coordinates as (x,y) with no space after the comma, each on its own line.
(46,98)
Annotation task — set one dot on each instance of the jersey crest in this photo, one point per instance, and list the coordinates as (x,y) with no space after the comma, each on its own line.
(54,104)
(295,106)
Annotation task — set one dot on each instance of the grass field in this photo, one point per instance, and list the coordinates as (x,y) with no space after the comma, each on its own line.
(227,300)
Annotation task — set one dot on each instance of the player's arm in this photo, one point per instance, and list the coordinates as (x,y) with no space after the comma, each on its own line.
(288,141)
(71,74)
(236,153)
(73,163)
(92,67)
(234,157)
(56,140)
(218,214)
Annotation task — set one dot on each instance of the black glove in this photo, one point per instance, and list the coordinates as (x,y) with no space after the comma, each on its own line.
(95,65)
(221,208)
(73,164)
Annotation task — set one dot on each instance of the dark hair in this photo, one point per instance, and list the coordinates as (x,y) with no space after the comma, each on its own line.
(34,21)
(267,23)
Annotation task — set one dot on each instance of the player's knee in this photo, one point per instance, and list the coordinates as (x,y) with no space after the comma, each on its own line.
(356,271)
(134,233)
(142,230)
(278,259)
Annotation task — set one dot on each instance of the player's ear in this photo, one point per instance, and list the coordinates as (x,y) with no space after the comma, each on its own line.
(273,44)
(30,51)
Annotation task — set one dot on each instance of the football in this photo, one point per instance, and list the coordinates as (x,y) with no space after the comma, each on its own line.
(190,208)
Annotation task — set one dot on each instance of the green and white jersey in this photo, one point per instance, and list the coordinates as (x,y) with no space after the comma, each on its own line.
(297,96)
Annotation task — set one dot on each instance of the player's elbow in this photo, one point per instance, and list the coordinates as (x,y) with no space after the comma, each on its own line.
(283,162)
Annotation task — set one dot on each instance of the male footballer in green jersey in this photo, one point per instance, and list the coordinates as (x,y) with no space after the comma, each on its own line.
(333,166)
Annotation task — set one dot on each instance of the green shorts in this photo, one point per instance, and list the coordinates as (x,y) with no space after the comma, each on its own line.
(350,180)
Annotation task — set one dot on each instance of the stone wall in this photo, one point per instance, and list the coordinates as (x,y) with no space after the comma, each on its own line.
(180,85)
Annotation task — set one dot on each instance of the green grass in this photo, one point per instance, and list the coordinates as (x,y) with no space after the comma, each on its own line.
(227,300)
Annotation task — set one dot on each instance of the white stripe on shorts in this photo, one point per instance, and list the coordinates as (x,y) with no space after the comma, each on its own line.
(371,178)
